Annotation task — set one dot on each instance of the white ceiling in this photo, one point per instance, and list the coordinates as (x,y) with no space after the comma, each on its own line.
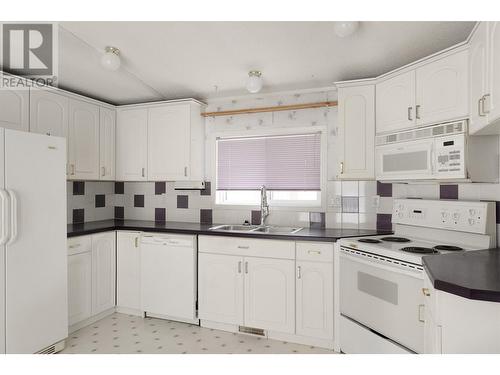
(170,60)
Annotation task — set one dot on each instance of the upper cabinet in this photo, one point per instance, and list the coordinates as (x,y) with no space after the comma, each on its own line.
(48,112)
(160,142)
(356,131)
(435,91)
(14,108)
(107,134)
(83,140)
(132,144)
(484,69)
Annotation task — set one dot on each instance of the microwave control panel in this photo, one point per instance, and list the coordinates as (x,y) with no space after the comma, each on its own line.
(449,156)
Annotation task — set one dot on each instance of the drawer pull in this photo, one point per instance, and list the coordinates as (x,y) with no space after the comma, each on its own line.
(239,266)
(299,272)
(315,252)
(74,246)
(244,247)
(426,292)
(246,267)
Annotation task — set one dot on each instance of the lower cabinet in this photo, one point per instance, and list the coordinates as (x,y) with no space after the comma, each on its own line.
(128,271)
(91,276)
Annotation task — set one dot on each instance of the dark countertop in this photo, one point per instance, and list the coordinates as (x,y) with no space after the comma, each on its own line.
(472,274)
(309,234)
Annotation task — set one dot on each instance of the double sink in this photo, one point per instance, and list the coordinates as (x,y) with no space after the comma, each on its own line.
(262,229)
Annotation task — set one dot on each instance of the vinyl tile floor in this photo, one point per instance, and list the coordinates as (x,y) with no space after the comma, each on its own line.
(128,334)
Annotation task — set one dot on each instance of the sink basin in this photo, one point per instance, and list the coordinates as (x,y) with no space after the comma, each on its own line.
(256,229)
(276,230)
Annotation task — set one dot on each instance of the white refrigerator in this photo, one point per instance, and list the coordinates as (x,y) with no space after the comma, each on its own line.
(33,259)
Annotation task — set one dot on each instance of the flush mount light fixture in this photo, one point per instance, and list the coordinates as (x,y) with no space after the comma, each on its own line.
(346,28)
(254,82)
(111,58)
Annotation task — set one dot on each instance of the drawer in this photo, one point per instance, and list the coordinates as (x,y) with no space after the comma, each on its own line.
(246,247)
(315,251)
(77,245)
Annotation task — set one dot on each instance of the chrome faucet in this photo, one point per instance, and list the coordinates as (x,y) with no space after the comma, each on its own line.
(264,206)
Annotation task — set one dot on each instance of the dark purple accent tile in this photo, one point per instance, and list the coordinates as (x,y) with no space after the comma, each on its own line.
(78,215)
(78,187)
(256,218)
(448,191)
(206,216)
(182,201)
(119,212)
(384,221)
(160,188)
(384,189)
(207,190)
(160,214)
(119,187)
(138,200)
(100,200)
(317,220)
(498,215)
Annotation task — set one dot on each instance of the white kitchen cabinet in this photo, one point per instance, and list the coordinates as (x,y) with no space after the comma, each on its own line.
(128,272)
(79,287)
(492,97)
(103,272)
(169,142)
(220,288)
(14,111)
(48,112)
(132,144)
(270,294)
(356,131)
(107,137)
(396,103)
(442,89)
(83,140)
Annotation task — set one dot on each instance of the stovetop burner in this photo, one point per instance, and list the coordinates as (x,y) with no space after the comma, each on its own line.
(369,240)
(419,250)
(447,248)
(395,239)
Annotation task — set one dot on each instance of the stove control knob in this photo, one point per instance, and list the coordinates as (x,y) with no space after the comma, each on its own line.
(456,216)
(472,221)
(472,212)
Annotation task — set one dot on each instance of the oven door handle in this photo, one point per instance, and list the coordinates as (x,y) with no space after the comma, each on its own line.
(416,273)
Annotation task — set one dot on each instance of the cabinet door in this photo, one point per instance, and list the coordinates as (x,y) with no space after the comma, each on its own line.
(48,113)
(357,132)
(79,287)
(478,79)
(314,299)
(131,144)
(270,294)
(14,111)
(492,102)
(169,143)
(220,288)
(442,90)
(396,103)
(107,132)
(83,140)
(103,272)
(128,268)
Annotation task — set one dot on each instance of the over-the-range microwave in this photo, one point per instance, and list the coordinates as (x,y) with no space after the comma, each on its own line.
(443,152)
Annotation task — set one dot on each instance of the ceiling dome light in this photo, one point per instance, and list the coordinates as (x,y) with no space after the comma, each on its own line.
(111,58)
(254,82)
(344,29)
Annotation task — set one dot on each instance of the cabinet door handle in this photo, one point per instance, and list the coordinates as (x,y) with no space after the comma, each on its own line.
(480,107)
(143,172)
(72,169)
(421,316)
(316,252)
(410,118)
(103,171)
(243,247)
(482,104)
(417,111)
(341,167)
(185,171)
(426,292)
(74,246)
(299,272)
(136,240)
(246,267)
(239,266)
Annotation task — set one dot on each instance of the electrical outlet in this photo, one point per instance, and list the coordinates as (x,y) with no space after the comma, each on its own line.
(335,201)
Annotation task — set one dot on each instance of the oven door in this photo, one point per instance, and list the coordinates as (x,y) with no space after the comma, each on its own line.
(405,161)
(383,296)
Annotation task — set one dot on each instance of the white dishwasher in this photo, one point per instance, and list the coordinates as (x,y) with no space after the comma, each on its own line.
(168,277)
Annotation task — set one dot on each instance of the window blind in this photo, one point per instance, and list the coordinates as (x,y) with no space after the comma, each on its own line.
(290,162)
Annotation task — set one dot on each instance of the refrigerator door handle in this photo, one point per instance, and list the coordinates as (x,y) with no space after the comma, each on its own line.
(4,198)
(13,217)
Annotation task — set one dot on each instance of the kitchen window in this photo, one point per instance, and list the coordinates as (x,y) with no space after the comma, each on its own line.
(289,166)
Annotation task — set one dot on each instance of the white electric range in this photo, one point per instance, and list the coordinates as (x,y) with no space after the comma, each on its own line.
(380,278)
